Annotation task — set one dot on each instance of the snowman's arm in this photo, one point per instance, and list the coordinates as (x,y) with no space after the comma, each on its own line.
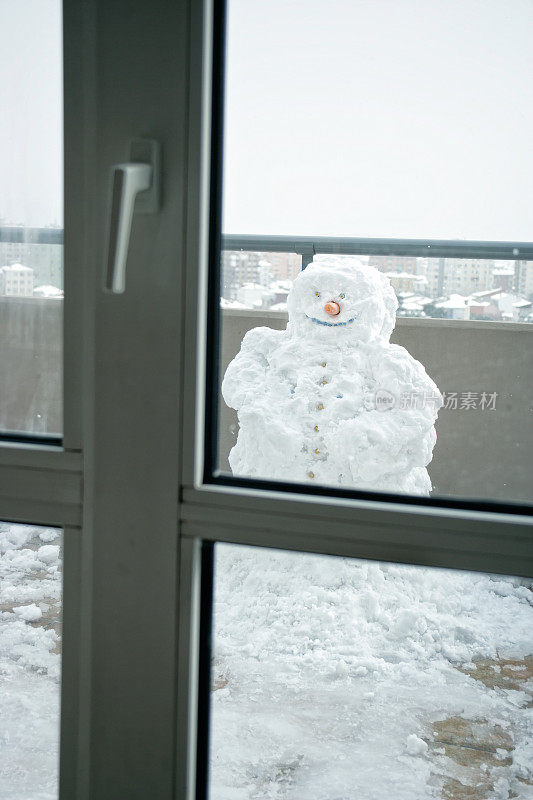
(409,422)
(403,436)
(401,375)
(245,375)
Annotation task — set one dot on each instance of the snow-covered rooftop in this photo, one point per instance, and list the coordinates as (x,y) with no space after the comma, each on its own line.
(460,301)
(488,292)
(454,301)
(16,268)
(231,303)
(47,291)
(418,278)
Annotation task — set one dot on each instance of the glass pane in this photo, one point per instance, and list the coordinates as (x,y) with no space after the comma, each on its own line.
(31,217)
(346,362)
(30,660)
(335,678)
(408,120)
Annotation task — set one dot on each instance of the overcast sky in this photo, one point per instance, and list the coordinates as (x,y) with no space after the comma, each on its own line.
(408,118)
(31,112)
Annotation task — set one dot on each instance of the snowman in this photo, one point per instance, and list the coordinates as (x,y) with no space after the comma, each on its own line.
(330,400)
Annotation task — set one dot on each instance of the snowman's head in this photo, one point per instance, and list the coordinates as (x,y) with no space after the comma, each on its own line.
(339,296)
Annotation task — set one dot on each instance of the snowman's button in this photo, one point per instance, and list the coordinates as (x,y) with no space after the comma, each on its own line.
(323,383)
(317,451)
(311,474)
(320,406)
(316,428)
(324,364)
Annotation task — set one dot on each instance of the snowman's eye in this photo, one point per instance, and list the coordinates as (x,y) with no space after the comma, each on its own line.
(342,296)
(317,294)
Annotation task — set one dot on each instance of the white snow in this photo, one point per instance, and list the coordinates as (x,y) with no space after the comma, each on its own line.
(48,553)
(337,670)
(47,291)
(415,746)
(16,268)
(334,672)
(29,613)
(30,582)
(306,397)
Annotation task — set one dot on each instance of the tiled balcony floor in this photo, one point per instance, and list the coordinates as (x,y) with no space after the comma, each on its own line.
(476,744)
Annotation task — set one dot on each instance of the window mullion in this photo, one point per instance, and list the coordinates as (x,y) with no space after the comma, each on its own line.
(38,488)
(497,543)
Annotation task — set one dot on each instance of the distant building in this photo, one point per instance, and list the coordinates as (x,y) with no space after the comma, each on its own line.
(279,292)
(253,295)
(284,266)
(45,259)
(522,310)
(47,291)
(433,270)
(446,276)
(16,280)
(454,307)
(512,306)
(407,282)
(240,267)
(231,304)
(413,305)
(523,278)
(466,276)
(394,263)
(503,278)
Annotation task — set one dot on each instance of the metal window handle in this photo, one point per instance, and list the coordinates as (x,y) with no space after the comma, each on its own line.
(130,179)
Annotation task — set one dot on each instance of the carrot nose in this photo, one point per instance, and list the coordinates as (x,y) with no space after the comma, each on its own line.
(332,308)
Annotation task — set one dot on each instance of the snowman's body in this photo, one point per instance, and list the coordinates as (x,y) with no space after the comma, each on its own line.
(330,400)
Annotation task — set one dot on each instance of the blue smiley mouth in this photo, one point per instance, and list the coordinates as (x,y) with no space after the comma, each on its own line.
(330,324)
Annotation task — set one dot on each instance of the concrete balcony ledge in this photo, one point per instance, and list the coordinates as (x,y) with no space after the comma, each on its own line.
(265,315)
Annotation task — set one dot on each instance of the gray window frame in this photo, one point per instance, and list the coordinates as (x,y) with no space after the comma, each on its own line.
(133,502)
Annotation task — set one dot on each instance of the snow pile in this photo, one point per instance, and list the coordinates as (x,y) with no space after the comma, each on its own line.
(29,613)
(47,291)
(324,400)
(331,673)
(30,584)
(415,746)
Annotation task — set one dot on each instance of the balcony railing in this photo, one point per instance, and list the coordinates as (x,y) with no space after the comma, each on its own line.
(19,234)
(308,246)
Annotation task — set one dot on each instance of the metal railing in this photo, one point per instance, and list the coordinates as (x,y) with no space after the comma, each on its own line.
(19,234)
(309,246)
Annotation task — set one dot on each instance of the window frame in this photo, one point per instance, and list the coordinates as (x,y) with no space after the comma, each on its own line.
(203,486)
(93,483)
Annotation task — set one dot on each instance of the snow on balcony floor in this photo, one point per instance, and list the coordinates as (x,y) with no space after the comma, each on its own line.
(337,679)
(332,679)
(30,661)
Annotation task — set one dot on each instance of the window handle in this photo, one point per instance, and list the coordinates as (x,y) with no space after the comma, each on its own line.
(138,177)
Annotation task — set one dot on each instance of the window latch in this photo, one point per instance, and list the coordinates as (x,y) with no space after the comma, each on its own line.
(135,187)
